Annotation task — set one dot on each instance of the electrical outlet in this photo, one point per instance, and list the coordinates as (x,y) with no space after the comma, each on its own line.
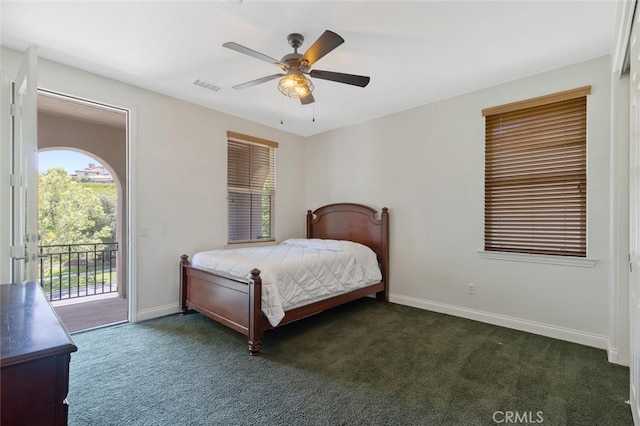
(471,289)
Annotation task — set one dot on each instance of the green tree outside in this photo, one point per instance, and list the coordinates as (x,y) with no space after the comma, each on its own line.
(70,213)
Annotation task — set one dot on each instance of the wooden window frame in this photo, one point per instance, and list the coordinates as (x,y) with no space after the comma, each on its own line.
(246,190)
(535,175)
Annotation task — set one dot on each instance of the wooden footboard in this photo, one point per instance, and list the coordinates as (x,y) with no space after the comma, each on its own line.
(233,303)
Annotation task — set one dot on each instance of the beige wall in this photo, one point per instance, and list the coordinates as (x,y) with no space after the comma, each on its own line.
(427,164)
(106,142)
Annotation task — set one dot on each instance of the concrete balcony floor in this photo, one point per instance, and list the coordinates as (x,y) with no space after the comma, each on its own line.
(85,313)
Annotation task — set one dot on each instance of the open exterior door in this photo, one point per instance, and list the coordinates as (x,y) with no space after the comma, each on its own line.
(20,261)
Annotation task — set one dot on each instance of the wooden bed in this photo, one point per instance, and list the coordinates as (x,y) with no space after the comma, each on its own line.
(237,304)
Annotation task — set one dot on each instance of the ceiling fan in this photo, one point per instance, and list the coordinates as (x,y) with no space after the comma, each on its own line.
(296,67)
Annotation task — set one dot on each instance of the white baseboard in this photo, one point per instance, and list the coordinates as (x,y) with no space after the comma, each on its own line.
(612,355)
(157,312)
(570,335)
(555,332)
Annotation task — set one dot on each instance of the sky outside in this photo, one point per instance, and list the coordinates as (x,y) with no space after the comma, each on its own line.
(68,160)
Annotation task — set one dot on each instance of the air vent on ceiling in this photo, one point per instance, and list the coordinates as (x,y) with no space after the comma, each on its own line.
(206,85)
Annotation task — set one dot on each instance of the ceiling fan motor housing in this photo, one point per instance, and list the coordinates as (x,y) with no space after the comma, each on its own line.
(293,59)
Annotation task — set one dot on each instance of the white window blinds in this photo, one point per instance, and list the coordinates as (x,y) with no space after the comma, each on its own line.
(251,188)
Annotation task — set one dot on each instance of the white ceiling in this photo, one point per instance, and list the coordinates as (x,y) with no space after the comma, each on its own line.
(415,52)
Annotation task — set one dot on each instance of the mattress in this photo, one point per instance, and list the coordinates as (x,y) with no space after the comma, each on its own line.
(297,271)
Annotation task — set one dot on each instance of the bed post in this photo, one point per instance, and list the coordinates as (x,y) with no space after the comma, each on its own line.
(184,261)
(384,247)
(255,313)
(309,227)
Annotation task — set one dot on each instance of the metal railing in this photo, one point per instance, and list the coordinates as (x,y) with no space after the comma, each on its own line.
(70,271)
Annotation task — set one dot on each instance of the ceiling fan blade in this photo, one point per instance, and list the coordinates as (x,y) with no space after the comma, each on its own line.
(323,45)
(257,81)
(239,48)
(354,80)
(307,99)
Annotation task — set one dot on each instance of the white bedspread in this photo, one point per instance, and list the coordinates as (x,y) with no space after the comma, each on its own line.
(297,272)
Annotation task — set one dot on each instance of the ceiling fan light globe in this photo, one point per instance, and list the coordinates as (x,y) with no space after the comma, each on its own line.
(290,82)
(295,85)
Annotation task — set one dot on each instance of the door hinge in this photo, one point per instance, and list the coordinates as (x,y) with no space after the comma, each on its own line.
(16,180)
(13,110)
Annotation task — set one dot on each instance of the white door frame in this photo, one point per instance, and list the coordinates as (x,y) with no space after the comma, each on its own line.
(126,222)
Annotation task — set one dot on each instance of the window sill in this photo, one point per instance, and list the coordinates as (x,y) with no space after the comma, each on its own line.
(239,244)
(539,258)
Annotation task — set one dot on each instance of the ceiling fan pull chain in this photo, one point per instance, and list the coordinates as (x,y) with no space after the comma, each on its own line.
(314,112)
(281,113)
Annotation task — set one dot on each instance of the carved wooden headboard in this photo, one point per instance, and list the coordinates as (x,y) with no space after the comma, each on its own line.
(353,222)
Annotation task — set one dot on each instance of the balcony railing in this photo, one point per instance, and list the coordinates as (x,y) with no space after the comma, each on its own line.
(70,271)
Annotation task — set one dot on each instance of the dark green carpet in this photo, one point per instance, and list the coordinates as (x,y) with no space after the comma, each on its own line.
(366,363)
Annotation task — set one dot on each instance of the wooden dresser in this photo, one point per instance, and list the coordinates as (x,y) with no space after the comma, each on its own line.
(35,353)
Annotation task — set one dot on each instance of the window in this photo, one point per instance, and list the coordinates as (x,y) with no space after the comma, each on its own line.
(535,175)
(251,188)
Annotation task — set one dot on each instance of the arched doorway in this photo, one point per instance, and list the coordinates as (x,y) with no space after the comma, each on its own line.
(80,129)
